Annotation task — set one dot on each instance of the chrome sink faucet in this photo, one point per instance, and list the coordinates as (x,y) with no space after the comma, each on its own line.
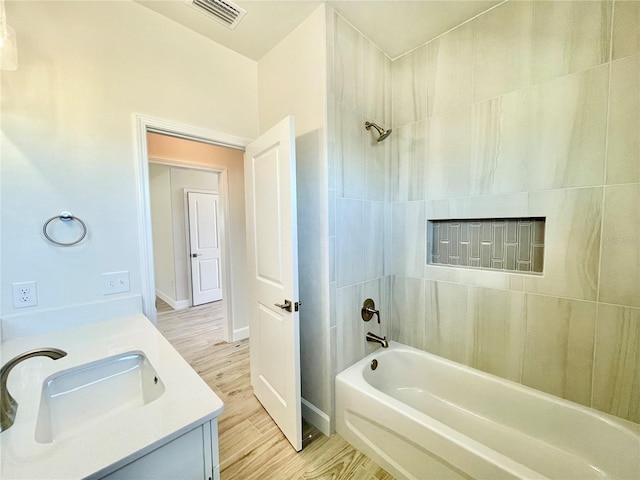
(8,405)
(372,337)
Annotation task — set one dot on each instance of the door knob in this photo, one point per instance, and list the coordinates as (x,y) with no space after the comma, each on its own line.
(194,255)
(285,306)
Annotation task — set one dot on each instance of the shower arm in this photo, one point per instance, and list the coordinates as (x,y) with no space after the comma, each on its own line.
(381,131)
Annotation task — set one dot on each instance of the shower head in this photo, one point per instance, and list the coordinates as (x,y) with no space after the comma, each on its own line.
(382,132)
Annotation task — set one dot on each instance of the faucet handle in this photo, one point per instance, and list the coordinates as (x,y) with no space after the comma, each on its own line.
(369,310)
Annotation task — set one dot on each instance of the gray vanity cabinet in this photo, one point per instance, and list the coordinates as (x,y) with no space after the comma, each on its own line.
(192,456)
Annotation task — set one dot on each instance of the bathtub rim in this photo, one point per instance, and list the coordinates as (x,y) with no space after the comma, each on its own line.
(361,365)
(480,455)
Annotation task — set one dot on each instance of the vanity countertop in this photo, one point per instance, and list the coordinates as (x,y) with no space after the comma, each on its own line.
(108,444)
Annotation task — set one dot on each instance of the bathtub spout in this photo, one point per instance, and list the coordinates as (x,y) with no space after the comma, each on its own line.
(372,337)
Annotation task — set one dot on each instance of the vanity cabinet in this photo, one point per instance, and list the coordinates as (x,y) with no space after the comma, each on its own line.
(192,456)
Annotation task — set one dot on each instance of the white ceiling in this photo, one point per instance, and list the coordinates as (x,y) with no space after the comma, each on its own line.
(395,26)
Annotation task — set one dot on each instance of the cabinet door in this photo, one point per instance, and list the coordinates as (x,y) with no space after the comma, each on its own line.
(185,458)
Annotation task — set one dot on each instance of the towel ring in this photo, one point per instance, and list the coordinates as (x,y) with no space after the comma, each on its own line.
(65,217)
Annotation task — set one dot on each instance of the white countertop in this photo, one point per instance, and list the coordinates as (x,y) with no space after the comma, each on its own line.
(105,445)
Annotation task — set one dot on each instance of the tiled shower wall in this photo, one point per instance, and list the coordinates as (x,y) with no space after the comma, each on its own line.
(531,109)
(359,87)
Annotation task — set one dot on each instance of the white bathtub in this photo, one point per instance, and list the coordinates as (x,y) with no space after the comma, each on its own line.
(421,417)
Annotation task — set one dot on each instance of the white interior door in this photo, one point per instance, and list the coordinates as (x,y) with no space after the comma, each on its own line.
(272,246)
(206,279)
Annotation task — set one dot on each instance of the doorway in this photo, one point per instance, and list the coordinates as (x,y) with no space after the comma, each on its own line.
(229,171)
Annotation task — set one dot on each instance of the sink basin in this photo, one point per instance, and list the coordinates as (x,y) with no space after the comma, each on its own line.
(79,397)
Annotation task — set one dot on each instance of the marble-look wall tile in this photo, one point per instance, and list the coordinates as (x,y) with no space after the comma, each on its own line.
(349,153)
(377,86)
(408,256)
(407,310)
(348,70)
(331,211)
(572,242)
(448,328)
(559,346)
(373,234)
(443,209)
(497,318)
(446,274)
(569,37)
(332,139)
(331,66)
(449,70)
(389,94)
(329,19)
(376,158)
(500,143)
(496,206)
(568,131)
(376,290)
(409,158)
(350,327)
(502,50)
(409,85)
(388,238)
(497,280)
(626,28)
(332,259)
(623,146)
(332,308)
(349,242)
(616,382)
(552,135)
(620,266)
(448,169)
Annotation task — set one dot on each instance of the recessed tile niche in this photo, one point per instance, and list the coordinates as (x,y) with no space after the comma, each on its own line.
(511,244)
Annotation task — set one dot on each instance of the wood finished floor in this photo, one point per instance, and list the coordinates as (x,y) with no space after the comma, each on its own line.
(251,445)
(200,325)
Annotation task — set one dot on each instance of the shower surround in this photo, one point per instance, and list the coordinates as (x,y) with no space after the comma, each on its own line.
(531,109)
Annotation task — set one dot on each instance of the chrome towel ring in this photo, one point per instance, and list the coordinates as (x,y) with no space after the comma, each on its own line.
(65,217)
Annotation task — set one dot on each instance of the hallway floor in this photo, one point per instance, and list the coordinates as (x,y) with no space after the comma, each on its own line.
(251,445)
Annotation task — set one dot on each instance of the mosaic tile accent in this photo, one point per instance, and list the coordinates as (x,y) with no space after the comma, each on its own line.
(513,244)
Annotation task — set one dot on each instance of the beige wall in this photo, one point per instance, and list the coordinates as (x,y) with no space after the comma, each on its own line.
(522,112)
(68,138)
(164,266)
(197,154)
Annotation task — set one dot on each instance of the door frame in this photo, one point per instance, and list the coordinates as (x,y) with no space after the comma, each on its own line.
(221,233)
(144,124)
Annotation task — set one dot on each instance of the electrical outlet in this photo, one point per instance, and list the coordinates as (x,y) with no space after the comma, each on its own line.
(115,282)
(24,294)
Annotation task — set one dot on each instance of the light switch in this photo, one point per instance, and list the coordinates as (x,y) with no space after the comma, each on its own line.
(115,282)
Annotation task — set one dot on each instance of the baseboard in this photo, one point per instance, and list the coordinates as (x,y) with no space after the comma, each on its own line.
(240,334)
(175,304)
(316,417)
(181,305)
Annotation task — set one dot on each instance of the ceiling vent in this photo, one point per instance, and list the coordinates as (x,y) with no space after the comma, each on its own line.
(225,12)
